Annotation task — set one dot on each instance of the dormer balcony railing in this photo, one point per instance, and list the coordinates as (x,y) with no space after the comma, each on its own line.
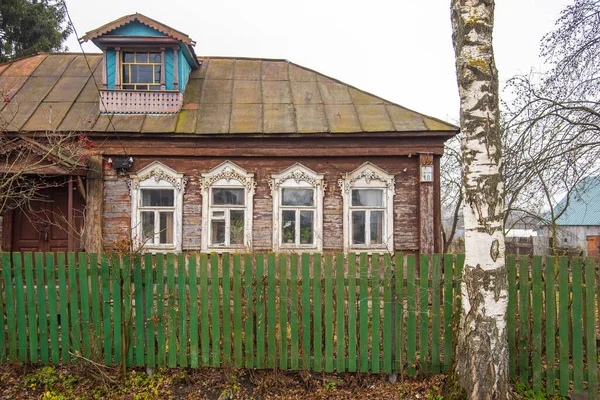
(140,102)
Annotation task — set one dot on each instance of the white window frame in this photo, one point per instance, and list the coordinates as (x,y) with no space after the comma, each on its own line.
(298,177)
(156,176)
(227,175)
(369,176)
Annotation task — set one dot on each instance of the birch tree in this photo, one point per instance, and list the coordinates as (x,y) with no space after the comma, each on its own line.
(481,362)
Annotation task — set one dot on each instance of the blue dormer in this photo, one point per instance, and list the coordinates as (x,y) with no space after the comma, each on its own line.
(146,65)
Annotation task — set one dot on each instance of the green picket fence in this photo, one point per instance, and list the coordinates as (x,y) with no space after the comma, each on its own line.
(321,312)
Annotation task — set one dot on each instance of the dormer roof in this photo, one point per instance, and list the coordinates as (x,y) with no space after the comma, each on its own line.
(127,19)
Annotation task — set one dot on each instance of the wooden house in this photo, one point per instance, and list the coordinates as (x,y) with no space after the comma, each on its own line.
(219,154)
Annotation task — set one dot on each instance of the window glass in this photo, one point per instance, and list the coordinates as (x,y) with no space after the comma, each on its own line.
(297,197)
(228,197)
(376,227)
(141,57)
(288,221)
(155,57)
(158,197)
(236,226)
(306,227)
(218,231)
(148,227)
(141,71)
(141,74)
(166,227)
(128,57)
(367,197)
(358,227)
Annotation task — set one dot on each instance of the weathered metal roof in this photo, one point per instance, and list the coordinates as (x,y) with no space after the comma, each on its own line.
(583,206)
(224,96)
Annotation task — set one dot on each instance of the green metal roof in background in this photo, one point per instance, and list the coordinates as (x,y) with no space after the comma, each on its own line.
(224,96)
(584,205)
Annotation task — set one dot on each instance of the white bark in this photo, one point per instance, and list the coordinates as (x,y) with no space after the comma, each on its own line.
(482,351)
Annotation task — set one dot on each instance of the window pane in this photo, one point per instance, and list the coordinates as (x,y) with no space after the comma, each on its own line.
(158,198)
(228,197)
(131,87)
(128,57)
(147,227)
(141,73)
(166,227)
(297,197)
(358,227)
(155,58)
(157,74)
(141,87)
(376,227)
(218,214)
(288,226)
(306,227)
(236,226)
(126,77)
(217,231)
(141,57)
(367,197)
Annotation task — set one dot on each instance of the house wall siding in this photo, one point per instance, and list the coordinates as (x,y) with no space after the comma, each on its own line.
(117,225)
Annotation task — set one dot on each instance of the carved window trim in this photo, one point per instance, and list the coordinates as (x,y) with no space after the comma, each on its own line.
(369,176)
(227,175)
(297,176)
(157,176)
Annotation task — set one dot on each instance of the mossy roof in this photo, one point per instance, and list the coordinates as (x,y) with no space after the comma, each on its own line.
(58,91)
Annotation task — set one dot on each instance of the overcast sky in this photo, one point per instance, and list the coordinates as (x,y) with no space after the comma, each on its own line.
(400,50)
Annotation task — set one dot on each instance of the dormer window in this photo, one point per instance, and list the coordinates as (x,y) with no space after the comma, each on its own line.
(142,70)
(145,65)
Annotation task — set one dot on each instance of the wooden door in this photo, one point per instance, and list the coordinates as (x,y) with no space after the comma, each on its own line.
(593,246)
(44,225)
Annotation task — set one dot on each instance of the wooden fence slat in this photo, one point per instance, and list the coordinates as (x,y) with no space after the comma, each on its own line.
(364,313)
(590,325)
(511,315)
(271,321)
(161,360)
(182,311)
(64,311)
(226,314)
(95,302)
(399,313)
(448,297)
(9,297)
(537,314)
(127,313)
(75,331)
(387,314)
(106,323)
(117,306)
(260,310)
(577,315)
(149,320)
(172,318)
(340,305)
(328,313)
(42,314)
(85,305)
(204,332)
(423,312)
(306,325)
(283,300)
(317,314)
(138,295)
(375,313)
(249,311)
(435,314)
(31,309)
(524,319)
(550,317)
(237,310)
(193,285)
(294,338)
(3,350)
(411,321)
(563,324)
(20,300)
(352,312)
(52,310)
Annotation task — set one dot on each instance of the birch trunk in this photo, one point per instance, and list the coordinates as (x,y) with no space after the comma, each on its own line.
(481,352)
